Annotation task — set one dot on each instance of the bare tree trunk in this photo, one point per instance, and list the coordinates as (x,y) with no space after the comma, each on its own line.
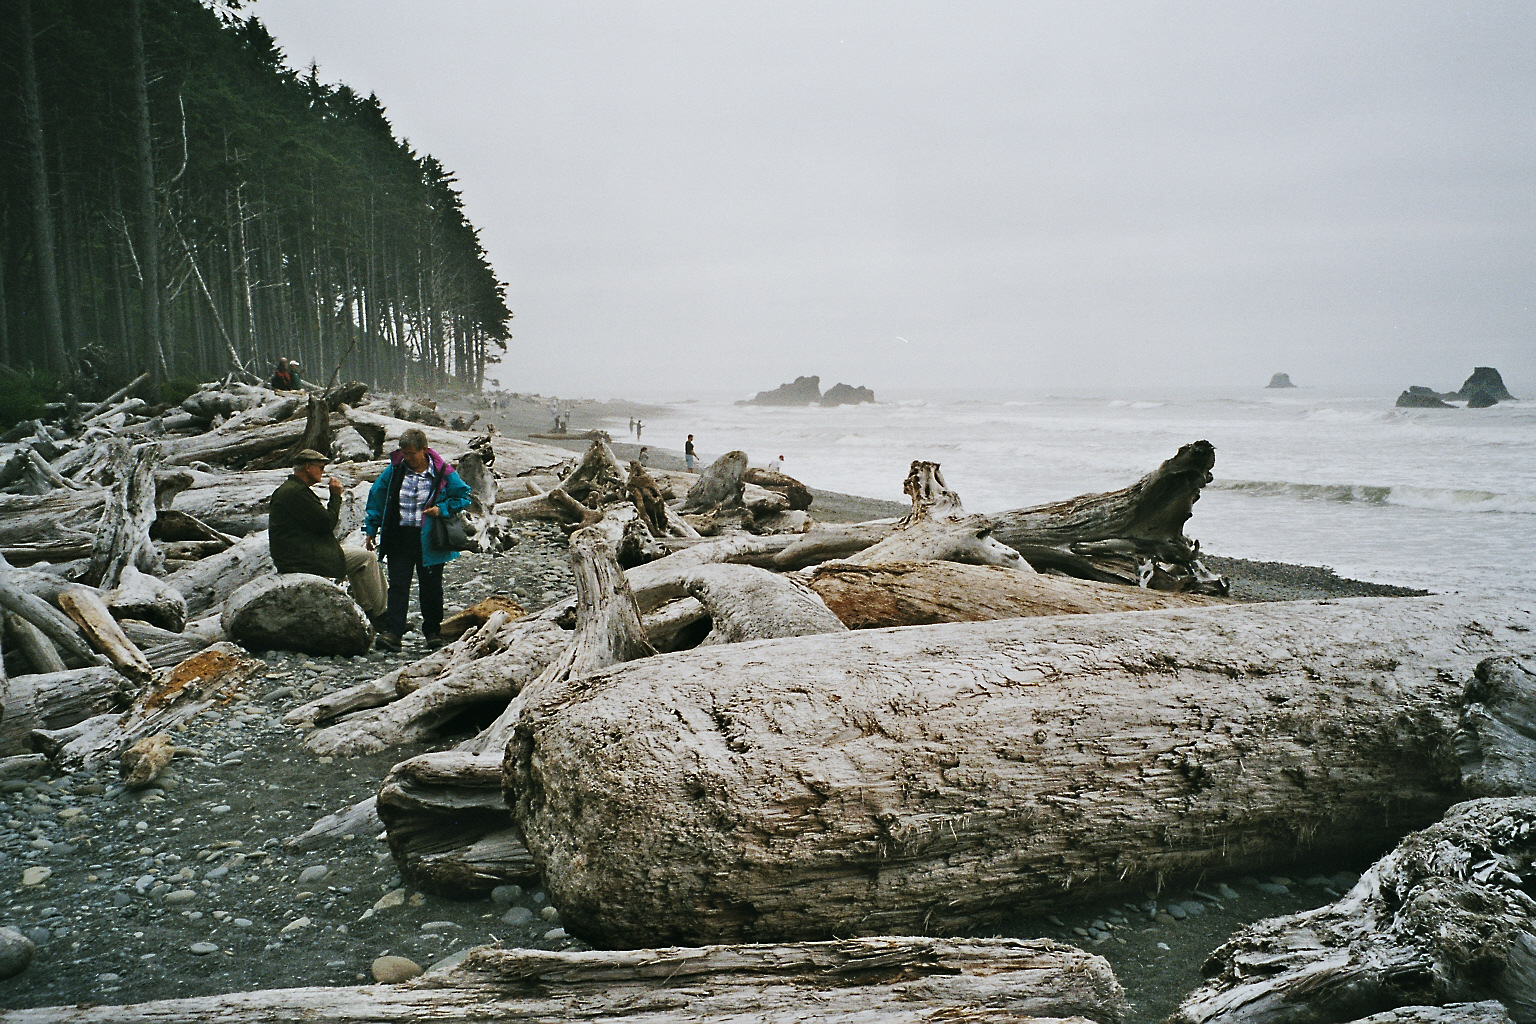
(1446,917)
(871,981)
(944,777)
(44,247)
(122,537)
(149,218)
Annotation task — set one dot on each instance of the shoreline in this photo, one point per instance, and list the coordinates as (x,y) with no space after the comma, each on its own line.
(1252,579)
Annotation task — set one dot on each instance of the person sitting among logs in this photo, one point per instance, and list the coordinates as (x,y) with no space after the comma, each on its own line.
(282,376)
(302,534)
(416,485)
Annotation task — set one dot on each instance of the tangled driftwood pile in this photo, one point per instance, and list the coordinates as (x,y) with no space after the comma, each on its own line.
(747,726)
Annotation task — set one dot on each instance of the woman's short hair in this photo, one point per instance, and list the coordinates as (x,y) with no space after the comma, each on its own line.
(413,439)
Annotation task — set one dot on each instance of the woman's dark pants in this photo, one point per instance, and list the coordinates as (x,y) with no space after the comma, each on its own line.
(402,558)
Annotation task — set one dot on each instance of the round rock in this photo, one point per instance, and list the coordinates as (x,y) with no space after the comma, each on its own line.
(203,948)
(387,970)
(16,952)
(296,612)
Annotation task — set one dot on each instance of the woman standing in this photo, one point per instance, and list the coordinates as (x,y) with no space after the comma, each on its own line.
(416,486)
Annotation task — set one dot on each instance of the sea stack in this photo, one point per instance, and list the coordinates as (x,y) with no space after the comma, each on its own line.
(1418,397)
(1280,380)
(804,391)
(846,394)
(1484,388)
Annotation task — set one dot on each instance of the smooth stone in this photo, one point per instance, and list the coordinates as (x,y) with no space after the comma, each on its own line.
(1177,912)
(221,809)
(16,952)
(1193,907)
(439,926)
(556,934)
(1273,888)
(393,898)
(388,970)
(549,914)
(36,875)
(1165,919)
(218,872)
(517,916)
(1226,892)
(203,948)
(180,896)
(313,873)
(293,926)
(505,895)
(242,922)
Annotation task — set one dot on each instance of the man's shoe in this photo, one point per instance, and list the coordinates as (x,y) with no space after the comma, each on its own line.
(435,640)
(387,642)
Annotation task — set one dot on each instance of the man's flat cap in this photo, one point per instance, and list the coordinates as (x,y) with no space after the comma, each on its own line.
(309,455)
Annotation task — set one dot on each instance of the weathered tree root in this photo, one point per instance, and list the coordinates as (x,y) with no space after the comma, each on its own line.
(1446,917)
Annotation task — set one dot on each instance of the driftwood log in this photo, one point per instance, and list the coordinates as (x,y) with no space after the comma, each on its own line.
(122,534)
(56,700)
(939,778)
(1446,917)
(924,593)
(208,678)
(937,529)
(1134,535)
(869,981)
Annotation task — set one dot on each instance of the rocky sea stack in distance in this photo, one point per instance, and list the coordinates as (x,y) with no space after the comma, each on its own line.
(807,391)
(1483,389)
(1280,380)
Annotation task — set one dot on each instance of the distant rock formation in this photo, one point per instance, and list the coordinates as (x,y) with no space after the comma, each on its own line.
(1421,398)
(804,391)
(1484,388)
(1280,380)
(845,394)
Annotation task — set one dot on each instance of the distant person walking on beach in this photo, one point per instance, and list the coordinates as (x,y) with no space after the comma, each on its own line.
(631,424)
(690,456)
(639,426)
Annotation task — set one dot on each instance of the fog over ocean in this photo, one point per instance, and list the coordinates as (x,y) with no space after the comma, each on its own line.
(1443,499)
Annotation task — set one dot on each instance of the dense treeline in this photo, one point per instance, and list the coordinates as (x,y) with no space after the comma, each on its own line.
(174,198)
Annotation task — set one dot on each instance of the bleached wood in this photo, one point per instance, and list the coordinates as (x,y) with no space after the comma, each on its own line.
(748,603)
(1445,917)
(55,700)
(58,626)
(34,644)
(122,535)
(854,981)
(923,593)
(91,614)
(944,777)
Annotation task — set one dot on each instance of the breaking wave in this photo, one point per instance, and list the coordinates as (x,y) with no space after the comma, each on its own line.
(1446,499)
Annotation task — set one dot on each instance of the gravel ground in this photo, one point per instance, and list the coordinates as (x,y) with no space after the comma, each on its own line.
(187,889)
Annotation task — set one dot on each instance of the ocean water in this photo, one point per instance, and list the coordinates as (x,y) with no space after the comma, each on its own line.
(1440,499)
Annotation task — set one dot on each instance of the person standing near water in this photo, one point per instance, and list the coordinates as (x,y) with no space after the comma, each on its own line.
(690,456)
(639,426)
(644,458)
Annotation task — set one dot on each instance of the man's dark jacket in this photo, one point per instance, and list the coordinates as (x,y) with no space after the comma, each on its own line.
(301,531)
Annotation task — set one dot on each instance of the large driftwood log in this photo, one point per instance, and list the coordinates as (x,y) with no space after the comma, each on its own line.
(1446,917)
(55,624)
(1134,535)
(34,644)
(55,700)
(748,603)
(923,593)
(57,527)
(207,585)
(868,981)
(943,777)
(318,435)
(719,486)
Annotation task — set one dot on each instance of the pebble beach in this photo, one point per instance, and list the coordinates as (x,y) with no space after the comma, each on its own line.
(187,888)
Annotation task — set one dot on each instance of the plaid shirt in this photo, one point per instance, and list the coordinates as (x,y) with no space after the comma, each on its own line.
(415,490)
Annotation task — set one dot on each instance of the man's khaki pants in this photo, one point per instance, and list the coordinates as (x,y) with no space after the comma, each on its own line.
(365,580)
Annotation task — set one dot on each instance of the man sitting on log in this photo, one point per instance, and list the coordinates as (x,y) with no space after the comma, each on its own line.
(302,534)
(417,486)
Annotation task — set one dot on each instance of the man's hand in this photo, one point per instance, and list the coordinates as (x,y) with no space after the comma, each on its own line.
(431,510)
(368,542)
(335,486)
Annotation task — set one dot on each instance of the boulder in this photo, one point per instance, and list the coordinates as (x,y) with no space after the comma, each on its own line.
(296,612)
(846,394)
(1421,398)
(804,391)
(141,596)
(1484,388)
(16,952)
(1280,380)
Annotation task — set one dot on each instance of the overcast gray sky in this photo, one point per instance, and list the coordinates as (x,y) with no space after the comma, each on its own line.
(900,195)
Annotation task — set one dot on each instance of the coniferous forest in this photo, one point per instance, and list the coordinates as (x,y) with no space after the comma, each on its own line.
(175,199)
